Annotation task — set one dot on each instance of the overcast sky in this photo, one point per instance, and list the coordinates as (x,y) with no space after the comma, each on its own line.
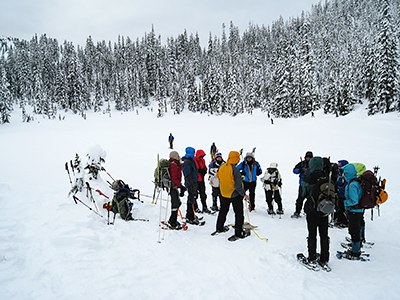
(75,20)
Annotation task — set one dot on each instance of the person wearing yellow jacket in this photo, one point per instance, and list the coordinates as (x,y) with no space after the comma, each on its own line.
(231,187)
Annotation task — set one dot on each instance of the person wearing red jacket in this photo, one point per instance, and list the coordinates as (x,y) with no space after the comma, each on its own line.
(201,172)
(175,172)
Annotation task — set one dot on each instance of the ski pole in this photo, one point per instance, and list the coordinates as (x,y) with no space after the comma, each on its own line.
(72,167)
(69,175)
(91,195)
(76,199)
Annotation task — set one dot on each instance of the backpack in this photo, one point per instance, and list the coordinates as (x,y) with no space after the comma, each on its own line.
(120,202)
(373,191)
(324,195)
(162,178)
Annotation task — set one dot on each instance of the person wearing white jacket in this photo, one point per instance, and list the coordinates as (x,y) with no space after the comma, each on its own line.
(272,182)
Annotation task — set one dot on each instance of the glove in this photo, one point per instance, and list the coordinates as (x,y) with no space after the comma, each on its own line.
(183,190)
(275,181)
(280,183)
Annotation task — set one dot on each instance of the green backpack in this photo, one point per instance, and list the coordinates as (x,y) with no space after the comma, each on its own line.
(162,178)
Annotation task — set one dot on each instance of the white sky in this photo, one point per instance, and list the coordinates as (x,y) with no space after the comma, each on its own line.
(75,20)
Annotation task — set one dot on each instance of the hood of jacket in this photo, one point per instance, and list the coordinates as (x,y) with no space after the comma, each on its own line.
(316,164)
(350,172)
(189,152)
(200,153)
(233,158)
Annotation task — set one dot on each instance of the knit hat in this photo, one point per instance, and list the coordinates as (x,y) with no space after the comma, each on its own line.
(219,154)
(309,154)
(174,155)
(273,165)
(249,154)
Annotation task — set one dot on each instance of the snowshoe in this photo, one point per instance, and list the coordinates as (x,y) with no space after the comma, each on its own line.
(311,265)
(214,208)
(348,254)
(270,211)
(279,211)
(244,234)
(225,229)
(295,216)
(324,266)
(196,221)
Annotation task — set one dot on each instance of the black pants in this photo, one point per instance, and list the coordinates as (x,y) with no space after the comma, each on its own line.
(237,204)
(299,200)
(191,205)
(356,224)
(251,187)
(215,193)
(339,215)
(316,222)
(201,187)
(273,195)
(175,204)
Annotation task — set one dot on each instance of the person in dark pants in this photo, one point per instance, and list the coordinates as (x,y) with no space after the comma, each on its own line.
(301,169)
(213,151)
(272,182)
(250,169)
(232,191)
(353,194)
(190,173)
(340,219)
(213,168)
(171,141)
(175,171)
(201,186)
(316,221)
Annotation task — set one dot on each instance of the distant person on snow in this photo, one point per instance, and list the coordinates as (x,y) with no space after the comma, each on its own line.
(201,186)
(250,169)
(232,191)
(175,171)
(213,168)
(213,151)
(301,170)
(272,181)
(171,141)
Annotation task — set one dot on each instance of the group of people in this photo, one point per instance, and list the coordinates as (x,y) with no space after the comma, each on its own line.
(313,170)
(231,179)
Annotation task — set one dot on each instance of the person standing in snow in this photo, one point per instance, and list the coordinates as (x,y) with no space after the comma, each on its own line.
(232,191)
(272,181)
(250,169)
(340,219)
(201,172)
(175,171)
(213,168)
(316,221)
(171,141)
(353,194)
(190,174)
(301,170)
(213,151)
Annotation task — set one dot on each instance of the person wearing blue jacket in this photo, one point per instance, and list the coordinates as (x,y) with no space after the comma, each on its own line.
(353,194)
(250,169)
(301,170)
(189,171)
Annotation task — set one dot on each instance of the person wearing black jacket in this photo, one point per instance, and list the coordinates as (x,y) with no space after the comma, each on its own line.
(315,219)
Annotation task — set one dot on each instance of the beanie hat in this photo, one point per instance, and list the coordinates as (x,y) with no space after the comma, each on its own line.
(309,154)
(174,155)
(249,154)
(273,165)
(342,162)
(219,154)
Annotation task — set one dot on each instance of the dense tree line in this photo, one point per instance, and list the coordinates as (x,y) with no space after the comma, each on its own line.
(341,53)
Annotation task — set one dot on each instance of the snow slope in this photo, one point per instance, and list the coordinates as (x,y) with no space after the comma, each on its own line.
(51,248)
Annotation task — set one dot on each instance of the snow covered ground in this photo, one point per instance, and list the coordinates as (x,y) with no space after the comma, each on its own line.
(51,248)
